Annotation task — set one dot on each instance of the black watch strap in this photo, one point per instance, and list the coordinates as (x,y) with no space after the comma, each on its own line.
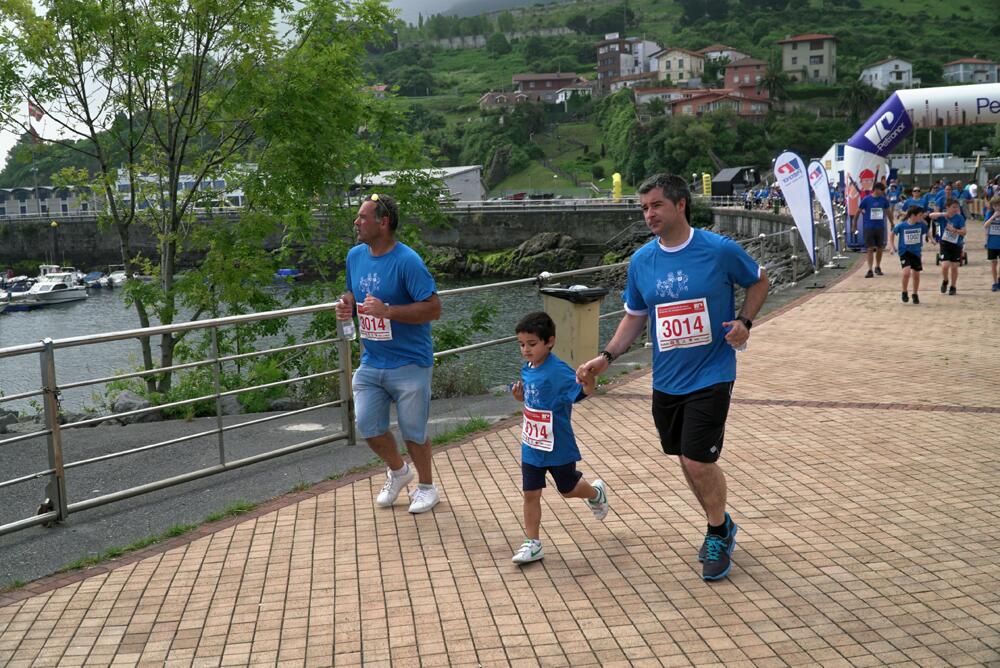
(608,356)
(747,322)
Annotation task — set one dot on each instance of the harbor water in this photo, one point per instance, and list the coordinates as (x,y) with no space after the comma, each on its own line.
(104,311)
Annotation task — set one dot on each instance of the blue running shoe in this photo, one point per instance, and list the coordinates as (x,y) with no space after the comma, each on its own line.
(717,555)
(704,545)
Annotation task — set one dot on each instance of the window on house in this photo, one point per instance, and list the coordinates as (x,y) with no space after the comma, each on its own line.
(65,208)
(24,209)
(84,206)
(680,63)
(815,60)
(795,60)
(816,74)
(816,45)
(746,78)
(795,46)
(3,211)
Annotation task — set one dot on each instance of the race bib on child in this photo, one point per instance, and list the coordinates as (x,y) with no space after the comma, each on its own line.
(951,236)
(536,429)
(682,324)
(373,328)
(995,229)
(877,213)
(911,237)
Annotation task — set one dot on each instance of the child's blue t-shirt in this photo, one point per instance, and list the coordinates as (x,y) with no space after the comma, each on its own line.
(687,292)
(919,201)
(911,237)
(993,234)
(550,390)
(958,222)
(874,210)
(399,277)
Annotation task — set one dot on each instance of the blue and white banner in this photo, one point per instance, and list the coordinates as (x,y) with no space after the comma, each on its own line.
(790,172)
(821,188)
(867,150)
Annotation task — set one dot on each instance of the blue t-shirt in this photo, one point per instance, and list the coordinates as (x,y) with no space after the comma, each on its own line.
(919,201)
(399,277)
(550,390)
(958,222)
(893,194)
(911,237)
(875,210)
(687,293)
(993,233)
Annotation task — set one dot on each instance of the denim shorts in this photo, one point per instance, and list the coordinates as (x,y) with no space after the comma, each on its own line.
(376,389)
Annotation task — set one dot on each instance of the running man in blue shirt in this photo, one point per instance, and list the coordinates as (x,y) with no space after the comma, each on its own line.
(911,232)
(992,225)
(549,388)
(952,233)
(396,300)
(876,211)
(682,286)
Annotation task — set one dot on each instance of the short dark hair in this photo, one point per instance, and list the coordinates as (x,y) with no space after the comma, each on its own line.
(914,210)
(878,185)
(385,205)
(948,202)
(538,323)
(674,189)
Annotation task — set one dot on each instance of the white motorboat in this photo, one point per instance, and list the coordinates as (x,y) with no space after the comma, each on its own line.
(116,276)
(56,288)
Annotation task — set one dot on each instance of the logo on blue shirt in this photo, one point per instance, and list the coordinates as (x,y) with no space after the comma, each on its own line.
(673,285)
(369,284)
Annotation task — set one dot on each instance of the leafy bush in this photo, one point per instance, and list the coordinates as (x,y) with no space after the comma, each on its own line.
(597,171)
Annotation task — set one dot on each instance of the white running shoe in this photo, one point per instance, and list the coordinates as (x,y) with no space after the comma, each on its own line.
(529,551)
(423,499)
(394,484)
(600,505)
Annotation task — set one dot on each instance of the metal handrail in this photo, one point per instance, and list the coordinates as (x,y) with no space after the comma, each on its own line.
(50,391)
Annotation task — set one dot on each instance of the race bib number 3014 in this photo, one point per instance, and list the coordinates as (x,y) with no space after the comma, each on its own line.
(536,429)
(373,328)
(683,324)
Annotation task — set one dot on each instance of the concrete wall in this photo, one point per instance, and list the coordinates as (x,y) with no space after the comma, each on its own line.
(86,246)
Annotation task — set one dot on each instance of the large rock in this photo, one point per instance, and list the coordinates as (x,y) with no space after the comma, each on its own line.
(130,401)
(285,404)
(7,418)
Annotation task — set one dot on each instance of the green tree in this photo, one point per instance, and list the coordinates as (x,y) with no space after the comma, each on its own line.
(168,98)
(856,98)
(497,44)
(578,23)
(505,22)
(774,81)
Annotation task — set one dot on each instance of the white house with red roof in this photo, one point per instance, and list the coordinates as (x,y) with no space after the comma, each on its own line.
(971,70)
(889,73)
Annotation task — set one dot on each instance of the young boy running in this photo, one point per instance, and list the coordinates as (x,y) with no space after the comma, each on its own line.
(911,233)
(548,388)
(952,237)
(992,225)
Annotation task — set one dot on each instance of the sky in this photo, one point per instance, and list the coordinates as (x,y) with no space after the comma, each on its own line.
(409,9)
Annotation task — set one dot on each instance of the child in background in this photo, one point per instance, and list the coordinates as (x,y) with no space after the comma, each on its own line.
(992,225)
(911,233)
(548,388)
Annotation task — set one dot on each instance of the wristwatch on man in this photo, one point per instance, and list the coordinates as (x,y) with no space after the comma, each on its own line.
(747,322)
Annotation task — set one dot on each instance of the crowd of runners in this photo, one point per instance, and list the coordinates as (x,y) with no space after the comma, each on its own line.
(939,218)
(680,290)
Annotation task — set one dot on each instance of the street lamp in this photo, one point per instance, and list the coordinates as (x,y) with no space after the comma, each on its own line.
(54,226)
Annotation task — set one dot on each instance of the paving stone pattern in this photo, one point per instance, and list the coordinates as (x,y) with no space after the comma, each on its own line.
(863,456)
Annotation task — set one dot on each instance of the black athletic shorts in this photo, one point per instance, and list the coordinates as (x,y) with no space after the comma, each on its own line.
(993,253)
(694,424)
(874,237)
(911,260)
(565,475)
(950,252)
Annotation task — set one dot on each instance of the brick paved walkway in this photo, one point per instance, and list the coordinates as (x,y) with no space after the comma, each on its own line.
(863,457)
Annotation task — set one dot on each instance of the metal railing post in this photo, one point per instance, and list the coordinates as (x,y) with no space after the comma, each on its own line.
(217,373)
(763,249)
(346,392)
(56,489)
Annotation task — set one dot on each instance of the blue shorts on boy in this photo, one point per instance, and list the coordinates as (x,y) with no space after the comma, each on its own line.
(547,439)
